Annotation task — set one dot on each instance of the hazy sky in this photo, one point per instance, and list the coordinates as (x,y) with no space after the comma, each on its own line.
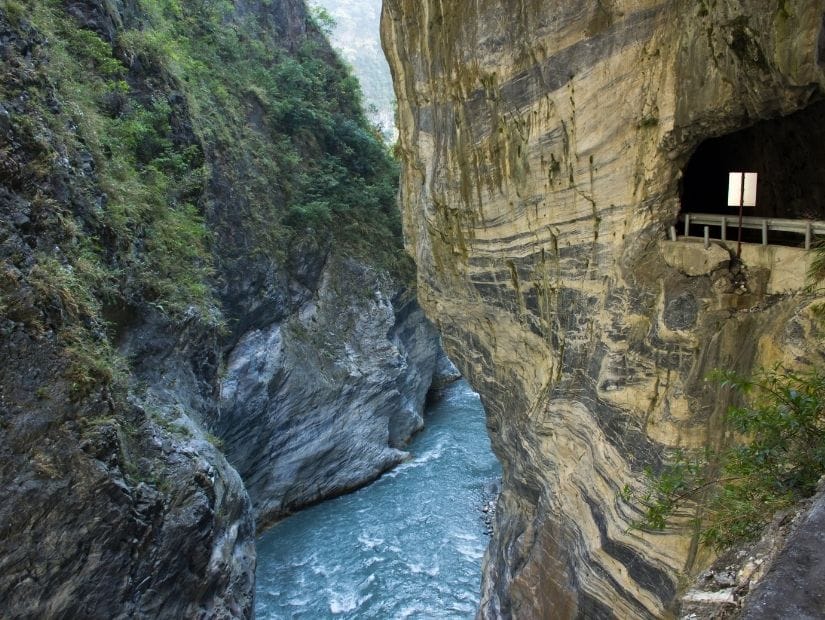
(357,38)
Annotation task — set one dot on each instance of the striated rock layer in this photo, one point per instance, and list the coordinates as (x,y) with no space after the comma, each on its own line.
(543,146)
(323,401)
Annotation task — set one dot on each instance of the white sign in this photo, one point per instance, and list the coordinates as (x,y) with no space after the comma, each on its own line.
(742,189)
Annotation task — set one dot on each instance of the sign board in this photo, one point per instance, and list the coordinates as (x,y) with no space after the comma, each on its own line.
(742,189)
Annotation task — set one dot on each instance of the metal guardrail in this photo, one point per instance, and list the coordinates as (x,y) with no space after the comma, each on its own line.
(808,228)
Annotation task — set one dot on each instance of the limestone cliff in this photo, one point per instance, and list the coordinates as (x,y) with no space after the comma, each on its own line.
(544,145)
(199,248)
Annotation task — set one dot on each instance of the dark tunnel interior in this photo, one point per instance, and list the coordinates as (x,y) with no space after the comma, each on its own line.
(788,153)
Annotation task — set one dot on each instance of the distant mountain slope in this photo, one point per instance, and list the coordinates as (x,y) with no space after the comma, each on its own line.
(356,37)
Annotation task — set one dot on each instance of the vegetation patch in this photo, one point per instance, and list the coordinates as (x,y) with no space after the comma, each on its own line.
(779,460)
(283,121)
(202,137)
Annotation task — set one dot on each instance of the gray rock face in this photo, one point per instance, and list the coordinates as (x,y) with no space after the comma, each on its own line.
(117,500)
(792,588)
(323,401)
(109,511)
(445,371)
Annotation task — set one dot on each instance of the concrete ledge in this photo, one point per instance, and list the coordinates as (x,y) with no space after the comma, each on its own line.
(691,258)
(788,267)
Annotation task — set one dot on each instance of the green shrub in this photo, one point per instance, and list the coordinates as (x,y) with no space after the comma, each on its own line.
(14,10)
(157,247)
(92,363)
(779,460)
(288,125)
(283,125)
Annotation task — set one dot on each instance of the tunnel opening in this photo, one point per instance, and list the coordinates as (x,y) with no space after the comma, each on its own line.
(788,153)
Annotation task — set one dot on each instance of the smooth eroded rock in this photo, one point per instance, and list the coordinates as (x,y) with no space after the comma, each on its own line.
(324,401)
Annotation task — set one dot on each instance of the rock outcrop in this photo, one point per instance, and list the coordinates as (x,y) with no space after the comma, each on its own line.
(324,401)
(775,576)
(791,587)
(543,148)
(111,511)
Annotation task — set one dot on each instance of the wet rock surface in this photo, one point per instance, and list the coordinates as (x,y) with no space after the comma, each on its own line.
(488,508)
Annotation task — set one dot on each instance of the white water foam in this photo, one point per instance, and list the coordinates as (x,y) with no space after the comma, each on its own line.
(470,552)
(324,570)
(298,602)
(430,455)
(369,543)
(370,579)
(407,612)
(419,568)
(344,602)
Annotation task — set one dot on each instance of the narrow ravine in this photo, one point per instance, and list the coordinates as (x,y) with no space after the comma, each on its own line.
(407,546)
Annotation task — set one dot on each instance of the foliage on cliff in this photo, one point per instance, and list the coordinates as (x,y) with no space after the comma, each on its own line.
(778,460)
(290,111)
(158,147)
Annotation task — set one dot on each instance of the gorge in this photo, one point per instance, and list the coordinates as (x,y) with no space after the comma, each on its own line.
(407,546)
(206,317)
(208,320)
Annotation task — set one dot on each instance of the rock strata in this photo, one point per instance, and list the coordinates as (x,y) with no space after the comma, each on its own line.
(543,148)
(324,401)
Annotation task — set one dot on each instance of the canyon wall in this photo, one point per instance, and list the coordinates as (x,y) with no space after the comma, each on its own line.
(543,148)
(206,316)
(324,400)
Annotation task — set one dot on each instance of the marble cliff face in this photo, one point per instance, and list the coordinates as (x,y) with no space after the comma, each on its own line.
(543,148)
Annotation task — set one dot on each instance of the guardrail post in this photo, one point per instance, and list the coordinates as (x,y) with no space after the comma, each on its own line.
(673,233)
(707,237)
(809,229)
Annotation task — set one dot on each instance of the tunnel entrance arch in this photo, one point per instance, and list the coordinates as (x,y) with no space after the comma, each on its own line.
(788,153)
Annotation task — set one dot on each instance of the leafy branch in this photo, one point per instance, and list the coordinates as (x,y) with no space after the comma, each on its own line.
(778,462)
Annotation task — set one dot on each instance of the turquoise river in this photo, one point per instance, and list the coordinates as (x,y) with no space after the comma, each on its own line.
(408,546)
